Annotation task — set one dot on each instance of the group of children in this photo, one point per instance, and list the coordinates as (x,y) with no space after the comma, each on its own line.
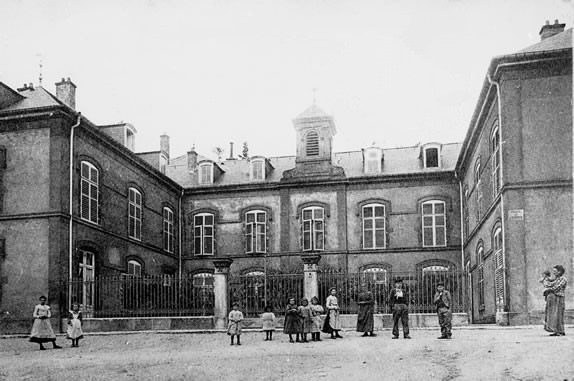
(299,321)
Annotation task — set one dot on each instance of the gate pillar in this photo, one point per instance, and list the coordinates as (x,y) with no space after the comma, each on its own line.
(220,291)
(310,284)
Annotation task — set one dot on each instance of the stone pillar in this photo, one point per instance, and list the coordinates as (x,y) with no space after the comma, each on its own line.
(310,284)
(220,291)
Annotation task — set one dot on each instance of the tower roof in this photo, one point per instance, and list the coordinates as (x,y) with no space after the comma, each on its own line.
(313,112)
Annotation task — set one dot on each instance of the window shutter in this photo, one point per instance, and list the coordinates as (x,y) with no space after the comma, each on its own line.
(3,163)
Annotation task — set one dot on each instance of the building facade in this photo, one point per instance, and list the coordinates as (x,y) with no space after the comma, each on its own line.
(497,206)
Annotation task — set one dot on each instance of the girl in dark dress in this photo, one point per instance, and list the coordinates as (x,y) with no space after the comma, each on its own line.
(292,323)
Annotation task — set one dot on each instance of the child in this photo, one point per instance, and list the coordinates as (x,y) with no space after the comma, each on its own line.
(292,324)
(75,325)
(546,279)
(234,327)
(306,316)
(42,329)
(268,319)
(317,310)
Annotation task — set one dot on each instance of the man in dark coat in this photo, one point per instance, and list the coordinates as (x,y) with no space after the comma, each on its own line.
(443,301)
(399,303)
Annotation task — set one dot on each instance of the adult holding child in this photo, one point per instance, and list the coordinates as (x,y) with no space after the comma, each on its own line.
(554,291)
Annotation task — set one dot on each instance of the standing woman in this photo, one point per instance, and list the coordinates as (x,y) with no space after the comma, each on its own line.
(42,329)
(555,302)
(332,323)
(365,320)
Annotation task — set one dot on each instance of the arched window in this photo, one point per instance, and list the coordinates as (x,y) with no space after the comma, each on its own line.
(376,274)
(134,268)
(374,226)
(497,247)
(465,201)
(90,191)
(495,149)
(135,214)
(203,234)
(312,144)
(434,223)
(313,228)
(480,266)
(477,189)
(256,231)
(203,295)
(168,230)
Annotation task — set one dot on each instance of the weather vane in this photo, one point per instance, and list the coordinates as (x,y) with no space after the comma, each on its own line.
(41,66)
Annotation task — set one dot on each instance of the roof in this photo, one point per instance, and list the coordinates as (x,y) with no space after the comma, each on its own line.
(397,161)
(559,41)
(313,112)
(34,98)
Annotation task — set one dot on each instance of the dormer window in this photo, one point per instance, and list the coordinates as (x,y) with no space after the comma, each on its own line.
(206,173)
(130,139)
(431,155)
(372,160)
(312,144)
(257,170)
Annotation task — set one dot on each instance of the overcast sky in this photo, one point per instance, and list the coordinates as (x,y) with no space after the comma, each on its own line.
(212,72)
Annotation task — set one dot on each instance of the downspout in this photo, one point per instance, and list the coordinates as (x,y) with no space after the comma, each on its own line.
(71,206)
(499,103)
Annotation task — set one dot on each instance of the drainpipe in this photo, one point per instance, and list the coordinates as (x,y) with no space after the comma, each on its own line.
(70,236)
(499,101)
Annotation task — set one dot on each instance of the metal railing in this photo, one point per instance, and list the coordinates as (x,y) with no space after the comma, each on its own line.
(421,287)
(253,293)
(146,296)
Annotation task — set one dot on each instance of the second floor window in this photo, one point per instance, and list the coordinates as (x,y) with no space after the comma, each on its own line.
(256,232)
(477,189)
(168,230)
(495,149)
(135,214)
(203,233)
(89,188)
(374,226)
(434,223)
(313,229)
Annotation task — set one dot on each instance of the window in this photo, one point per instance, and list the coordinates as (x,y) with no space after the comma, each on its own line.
(162,163)
(477,190)
(134,268)
(465,211)
(256,232)
(130,139)
(434,223)
(258,170)
(313,229)
(3,158)
(206,173)
(168,230)
(480,263)
(89,188)
(374,226)
(373,158)
(203,234)
(498,267)
(203,291)
(135,214)
(377,275)
(312,147)
(87,275)
(495,149)
(431,157)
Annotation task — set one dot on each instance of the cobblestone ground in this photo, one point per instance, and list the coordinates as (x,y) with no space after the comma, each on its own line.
(473,354)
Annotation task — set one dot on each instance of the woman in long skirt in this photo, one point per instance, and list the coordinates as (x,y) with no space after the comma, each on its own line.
(332,322)
(42,331)
(555,302)
(365,320)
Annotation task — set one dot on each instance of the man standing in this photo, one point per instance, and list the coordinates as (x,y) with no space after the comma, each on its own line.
(442,300)
(398,301)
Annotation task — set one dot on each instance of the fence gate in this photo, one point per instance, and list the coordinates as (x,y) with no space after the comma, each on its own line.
(255,290)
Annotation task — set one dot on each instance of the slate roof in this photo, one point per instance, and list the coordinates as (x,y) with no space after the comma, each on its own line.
(397,161)
(313,112)
(34,98)
(559,41)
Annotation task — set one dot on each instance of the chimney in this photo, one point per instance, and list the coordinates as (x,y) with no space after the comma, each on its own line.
(231,151)
(550,30)
(192,160)
(164,144)
(66,92)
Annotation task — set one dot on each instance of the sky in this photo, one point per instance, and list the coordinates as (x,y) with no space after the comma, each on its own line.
(392,73)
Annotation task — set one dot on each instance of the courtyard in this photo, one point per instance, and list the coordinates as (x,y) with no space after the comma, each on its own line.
(475,353)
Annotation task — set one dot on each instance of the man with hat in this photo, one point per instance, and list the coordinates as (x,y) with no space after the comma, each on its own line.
(443,301)
(398,301)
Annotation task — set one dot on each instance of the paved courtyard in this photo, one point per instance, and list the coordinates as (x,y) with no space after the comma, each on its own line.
(489,353)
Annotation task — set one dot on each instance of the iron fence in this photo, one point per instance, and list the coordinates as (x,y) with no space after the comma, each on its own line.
(254,292)
(146,296)
(421,287)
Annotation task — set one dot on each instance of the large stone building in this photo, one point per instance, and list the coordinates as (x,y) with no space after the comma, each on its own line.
(77,202)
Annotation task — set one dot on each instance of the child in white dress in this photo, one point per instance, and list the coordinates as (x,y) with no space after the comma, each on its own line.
(268,320)
(234,325)
(75,325)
